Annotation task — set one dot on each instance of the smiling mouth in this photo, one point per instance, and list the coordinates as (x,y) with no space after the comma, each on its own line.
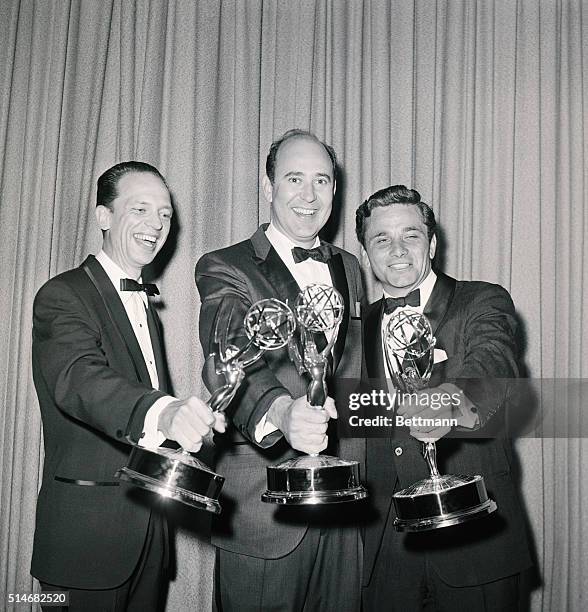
(146,239)
(399,266)
(304,212)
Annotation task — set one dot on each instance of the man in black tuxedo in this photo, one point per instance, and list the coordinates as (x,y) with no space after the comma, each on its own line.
(100,377)
(285,558)
(476,565)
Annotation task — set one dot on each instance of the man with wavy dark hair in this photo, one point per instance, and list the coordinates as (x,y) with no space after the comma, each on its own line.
(476,565)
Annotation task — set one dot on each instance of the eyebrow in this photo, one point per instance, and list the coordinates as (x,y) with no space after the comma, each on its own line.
(299,173)
(409,228)
(323,175)
(148,203)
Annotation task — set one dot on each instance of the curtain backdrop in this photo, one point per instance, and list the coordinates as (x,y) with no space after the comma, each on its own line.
(478,104)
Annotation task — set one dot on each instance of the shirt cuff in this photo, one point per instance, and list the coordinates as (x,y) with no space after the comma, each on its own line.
(151,437)
(467,414)
(264,428)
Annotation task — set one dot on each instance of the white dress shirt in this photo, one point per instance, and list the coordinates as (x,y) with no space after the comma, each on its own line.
(135,304)
(305,273)
(425,288)
(467,418)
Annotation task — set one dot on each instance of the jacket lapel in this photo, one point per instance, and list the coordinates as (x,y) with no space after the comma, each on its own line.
(157,344)
(438,303)
(273,268)
(374,356)
(118,315)
(339,278)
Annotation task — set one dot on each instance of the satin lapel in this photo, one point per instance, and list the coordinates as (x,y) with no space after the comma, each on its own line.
(339,278)
(439,300)
(278,275)
(374,357)
(274,269)
(157,345)
(118,315)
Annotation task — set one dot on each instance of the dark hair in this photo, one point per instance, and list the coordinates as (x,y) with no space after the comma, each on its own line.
(270,162)
(108,181)
(396,194)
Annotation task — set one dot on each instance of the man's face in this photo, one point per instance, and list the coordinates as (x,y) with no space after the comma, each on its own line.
(398,249)
(139,222)
(302,193)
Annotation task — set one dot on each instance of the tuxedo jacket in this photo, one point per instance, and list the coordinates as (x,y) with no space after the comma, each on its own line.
(230,281)
(474,323)
(94,391)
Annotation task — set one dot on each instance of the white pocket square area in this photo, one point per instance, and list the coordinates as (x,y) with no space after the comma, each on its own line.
(439,355)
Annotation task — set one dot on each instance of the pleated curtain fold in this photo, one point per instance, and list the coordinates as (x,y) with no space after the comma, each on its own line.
(479,105)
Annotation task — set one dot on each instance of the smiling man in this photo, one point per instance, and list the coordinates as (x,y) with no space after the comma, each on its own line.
(288,558)
(101,378)
(477,565)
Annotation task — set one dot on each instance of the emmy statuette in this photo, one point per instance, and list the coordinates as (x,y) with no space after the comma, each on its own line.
(175,473)
(315,479)
(440,500)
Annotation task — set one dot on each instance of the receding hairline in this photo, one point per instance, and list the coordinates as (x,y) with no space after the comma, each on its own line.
(140,173)
(310,138)
(122,194)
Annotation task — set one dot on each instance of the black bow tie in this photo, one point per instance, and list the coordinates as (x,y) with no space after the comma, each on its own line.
(412,299)
(128,284)
(321,253)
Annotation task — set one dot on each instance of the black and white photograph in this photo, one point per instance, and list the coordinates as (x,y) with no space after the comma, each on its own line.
(294,307)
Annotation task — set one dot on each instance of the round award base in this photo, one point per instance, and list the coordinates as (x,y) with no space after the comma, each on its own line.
(313,480)
(174,474)
(443,501)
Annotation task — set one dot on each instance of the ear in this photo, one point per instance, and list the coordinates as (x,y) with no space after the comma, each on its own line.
(433,247)
(266,185)
(104,217)
(365,260)
(334,187)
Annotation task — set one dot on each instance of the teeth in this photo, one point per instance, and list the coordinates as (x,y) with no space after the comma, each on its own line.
(146,237)
(304,211)
(402,266)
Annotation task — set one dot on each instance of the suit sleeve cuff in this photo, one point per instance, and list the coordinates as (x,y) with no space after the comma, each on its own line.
(270,436)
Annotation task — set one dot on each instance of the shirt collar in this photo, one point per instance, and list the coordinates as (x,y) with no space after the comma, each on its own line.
(425,288)
(283,244)
(115,273)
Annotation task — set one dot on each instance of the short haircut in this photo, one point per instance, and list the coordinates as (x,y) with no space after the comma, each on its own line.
(270,162)
(396,194)
(108,181)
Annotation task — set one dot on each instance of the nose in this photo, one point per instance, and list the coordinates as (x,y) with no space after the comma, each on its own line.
(154,221)
(398,249)
(308,193)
